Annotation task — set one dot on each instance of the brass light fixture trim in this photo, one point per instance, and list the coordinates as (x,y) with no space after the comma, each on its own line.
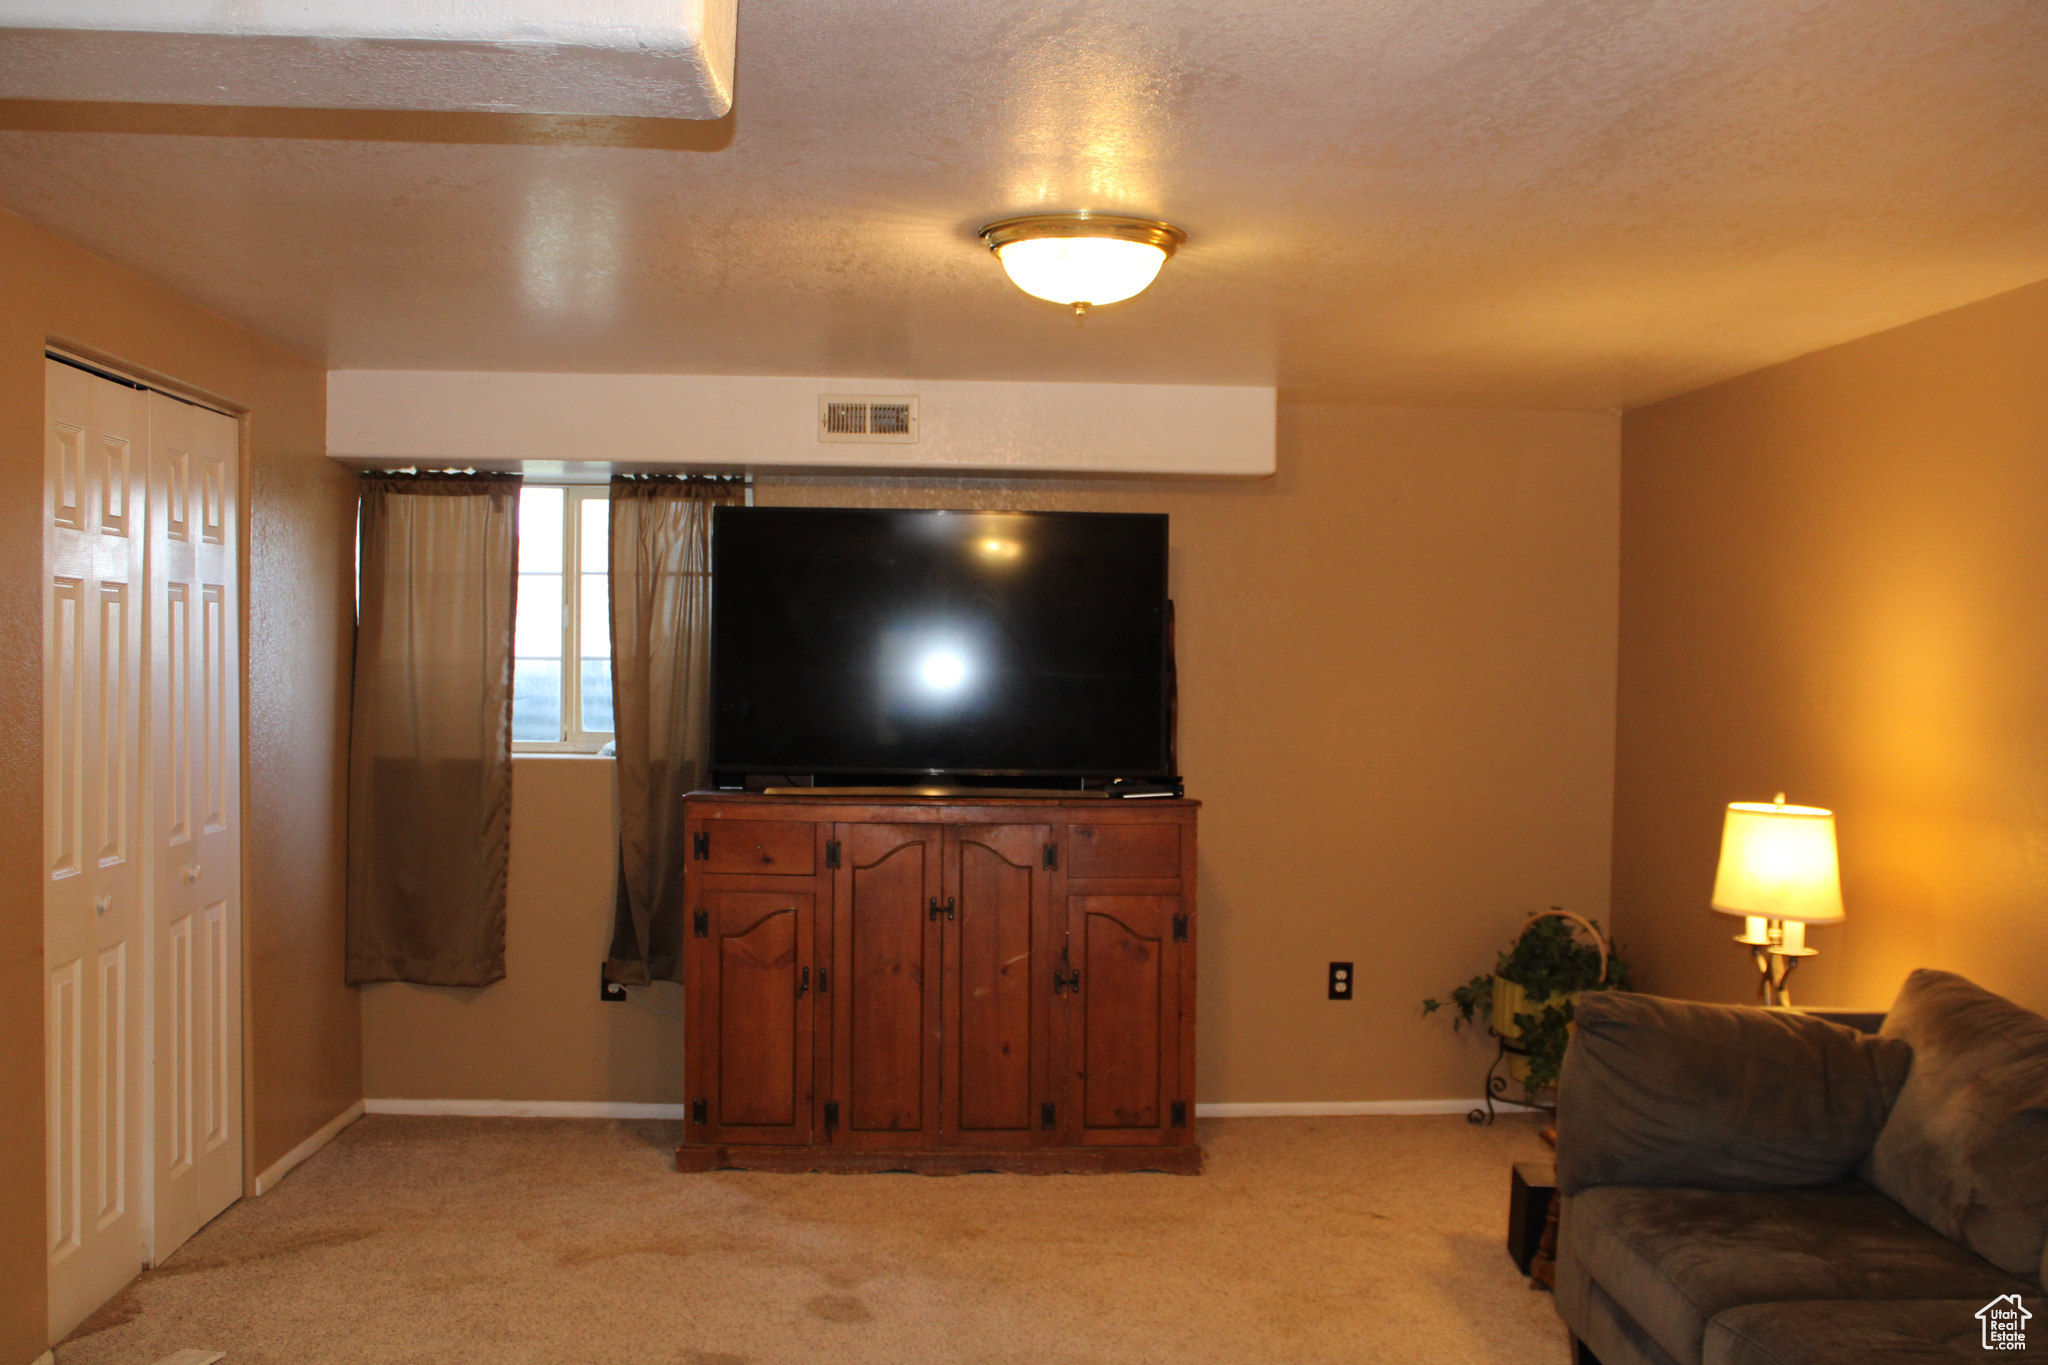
(1105,274)
(1149,231)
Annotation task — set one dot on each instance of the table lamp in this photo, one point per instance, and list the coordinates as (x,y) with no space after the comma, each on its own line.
(1778,872)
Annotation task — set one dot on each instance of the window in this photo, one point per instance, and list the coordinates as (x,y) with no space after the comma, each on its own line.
(561,642)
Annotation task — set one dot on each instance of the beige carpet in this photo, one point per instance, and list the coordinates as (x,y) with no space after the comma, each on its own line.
(506,1240)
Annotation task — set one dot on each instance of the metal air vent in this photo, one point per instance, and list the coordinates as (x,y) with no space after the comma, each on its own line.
(891,421)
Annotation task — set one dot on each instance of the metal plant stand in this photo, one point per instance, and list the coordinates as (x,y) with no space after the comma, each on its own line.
(1497,1082)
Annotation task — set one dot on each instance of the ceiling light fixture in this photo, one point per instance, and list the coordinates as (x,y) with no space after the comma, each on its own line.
(1082,259)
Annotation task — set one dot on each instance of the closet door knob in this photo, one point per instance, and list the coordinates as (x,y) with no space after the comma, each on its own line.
(192,874)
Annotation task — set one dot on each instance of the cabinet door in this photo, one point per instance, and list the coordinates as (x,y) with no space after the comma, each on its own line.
(885,985)
(997,987)
(750,1003)
(1123,1041)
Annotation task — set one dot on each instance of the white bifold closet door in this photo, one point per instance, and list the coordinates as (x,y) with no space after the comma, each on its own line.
(142,738)
(96,455)
(193,820)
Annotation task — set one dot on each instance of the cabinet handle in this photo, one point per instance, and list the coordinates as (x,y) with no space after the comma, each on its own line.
(803,982)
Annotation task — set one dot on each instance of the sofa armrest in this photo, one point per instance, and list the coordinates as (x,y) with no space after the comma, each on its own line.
(1729,1097)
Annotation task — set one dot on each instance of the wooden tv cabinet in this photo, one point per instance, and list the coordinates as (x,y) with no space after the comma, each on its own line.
(940,984)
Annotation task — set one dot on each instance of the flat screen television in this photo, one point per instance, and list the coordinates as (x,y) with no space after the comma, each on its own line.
(890,646)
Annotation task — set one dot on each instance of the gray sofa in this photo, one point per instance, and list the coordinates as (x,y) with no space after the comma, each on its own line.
(1757,1187)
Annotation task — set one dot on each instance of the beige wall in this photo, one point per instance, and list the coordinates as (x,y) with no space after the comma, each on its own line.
(1397,674)
(541,1033)
(1835,584)
(303,1041)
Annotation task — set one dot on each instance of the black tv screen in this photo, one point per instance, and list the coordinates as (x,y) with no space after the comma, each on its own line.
(885,643)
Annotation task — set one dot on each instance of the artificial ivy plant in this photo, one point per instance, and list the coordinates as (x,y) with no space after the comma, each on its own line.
(1552,964)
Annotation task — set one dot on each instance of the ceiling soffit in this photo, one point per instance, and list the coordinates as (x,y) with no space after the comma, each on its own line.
(1503,203)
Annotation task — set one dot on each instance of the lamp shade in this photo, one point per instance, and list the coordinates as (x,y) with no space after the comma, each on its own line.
(1778,862)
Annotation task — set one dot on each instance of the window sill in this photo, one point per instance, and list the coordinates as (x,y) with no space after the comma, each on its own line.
(530,750)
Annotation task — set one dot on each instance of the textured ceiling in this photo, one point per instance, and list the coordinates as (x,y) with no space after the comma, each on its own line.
(1488,202)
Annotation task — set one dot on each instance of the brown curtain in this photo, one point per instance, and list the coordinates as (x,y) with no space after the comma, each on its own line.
(430,744)
(661,665)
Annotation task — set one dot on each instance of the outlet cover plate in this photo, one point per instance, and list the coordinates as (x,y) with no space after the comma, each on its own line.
(1340,980)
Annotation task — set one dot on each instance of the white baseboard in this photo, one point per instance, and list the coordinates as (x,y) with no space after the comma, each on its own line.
(528,1109)
(267,1181)
(1316,1108)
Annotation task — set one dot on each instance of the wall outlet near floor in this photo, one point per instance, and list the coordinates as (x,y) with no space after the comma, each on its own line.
(1340,980)
(609,991)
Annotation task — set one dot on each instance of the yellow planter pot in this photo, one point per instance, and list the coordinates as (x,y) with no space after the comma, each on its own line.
(1509,1000)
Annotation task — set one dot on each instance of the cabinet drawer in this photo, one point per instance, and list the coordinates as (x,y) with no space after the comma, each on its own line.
(1121,850)
(775,847)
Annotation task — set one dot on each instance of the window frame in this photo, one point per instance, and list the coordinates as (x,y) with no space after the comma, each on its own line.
(575,739)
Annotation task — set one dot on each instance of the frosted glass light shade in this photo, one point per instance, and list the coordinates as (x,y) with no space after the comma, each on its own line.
(1082,259)
(1090,270)
(1778,862)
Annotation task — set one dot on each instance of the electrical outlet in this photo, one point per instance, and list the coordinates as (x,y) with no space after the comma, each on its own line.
(1340,980)
(609,991)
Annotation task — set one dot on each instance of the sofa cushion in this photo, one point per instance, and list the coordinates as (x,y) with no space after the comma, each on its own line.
(1966,1146)
(1668,1092)
(1916,1333)
(1674,1259)
(1600,1324)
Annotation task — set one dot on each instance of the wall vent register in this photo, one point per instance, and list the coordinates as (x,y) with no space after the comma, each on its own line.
(883,420)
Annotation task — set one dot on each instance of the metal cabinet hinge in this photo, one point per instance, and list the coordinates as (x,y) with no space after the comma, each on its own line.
(946,909)
(821,980)
(698,1110)
(700,845)
(1052,857)
(1048,1116)
(1180,928)
(1066,980)
(1180,1113)
(831,1115)
(700,924)
(832,853)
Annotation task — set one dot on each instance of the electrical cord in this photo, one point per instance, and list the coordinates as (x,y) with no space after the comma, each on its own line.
(633,999)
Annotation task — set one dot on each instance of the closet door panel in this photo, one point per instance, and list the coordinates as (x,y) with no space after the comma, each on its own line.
(93,916)
(193,826)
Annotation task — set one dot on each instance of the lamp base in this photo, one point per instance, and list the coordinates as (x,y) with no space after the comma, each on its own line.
(1776,960)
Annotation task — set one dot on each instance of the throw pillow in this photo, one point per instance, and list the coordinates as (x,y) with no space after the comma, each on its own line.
(1966,1148)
